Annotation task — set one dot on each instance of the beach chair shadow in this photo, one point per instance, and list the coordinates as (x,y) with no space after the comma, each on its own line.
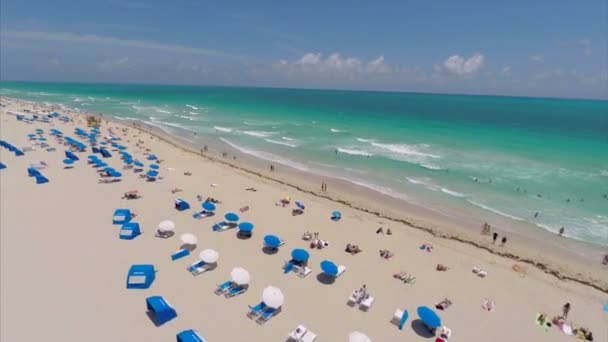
(269,250)
(187,246)
(421,329)
(243,235)
(325,279)
(153,319)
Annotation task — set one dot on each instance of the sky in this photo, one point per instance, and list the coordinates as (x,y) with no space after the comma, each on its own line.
(523,48)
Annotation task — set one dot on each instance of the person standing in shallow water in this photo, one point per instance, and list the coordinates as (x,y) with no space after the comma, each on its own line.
(561,231)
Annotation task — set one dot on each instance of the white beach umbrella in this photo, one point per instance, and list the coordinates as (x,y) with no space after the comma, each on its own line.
(209,256)
(273,297)
(357,336)
(189,239)
(166,226)
(240,276)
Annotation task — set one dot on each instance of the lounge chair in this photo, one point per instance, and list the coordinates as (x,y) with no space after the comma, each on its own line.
(198,267)
(266,315)
(397,317)
(298,334)
(366,304)
(302,272)
(288,267)
(341,269)
(162,234)
(256,310)
(309,337)
(235,291)
(223,287)
(180,254)
(220,226)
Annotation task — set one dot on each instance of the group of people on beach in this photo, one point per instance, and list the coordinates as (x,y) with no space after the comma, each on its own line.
(486,231)
(561,323)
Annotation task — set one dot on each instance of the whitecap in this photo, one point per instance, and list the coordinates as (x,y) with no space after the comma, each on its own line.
(267,156)
(258,134)
(452,193)
(288,139)
(335,130)
(162,111)
(280,143)
(194,113)
(405,149)
(365,140)
(496,211)
(430,166)
(193,107)
(604,173)
(223,129)
(354,152)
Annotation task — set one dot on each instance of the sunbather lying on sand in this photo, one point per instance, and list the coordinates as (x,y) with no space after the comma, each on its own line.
(488,305)
(244,209)
(427,247)
(444,304)
(319,244)
(187,173)
(307,236)
(405,277)
(297,211)
(353,249)
(176,190)
(386,254)
(252,189)
(133,194)
(442,268)
(212,200)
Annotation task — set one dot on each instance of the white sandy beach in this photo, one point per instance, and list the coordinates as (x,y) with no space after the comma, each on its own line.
(63,267)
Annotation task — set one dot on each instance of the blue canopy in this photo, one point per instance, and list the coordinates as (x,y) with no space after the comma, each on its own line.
(208,206)
(129,231)
(105,153)
(42,139)
(161,312)
(300,205)
(152,173)
(140,276)
(246,227)
(152,157)
(189,336)
(272,241)
(403,319)
(336,215)
(109,169)
(138,163)
(40,179)
(300,255)
(329,268)
(68,161)
(32,172)
(99,163)
(121,216)
(95,149)
(115,174)
(232,217)
(181,205)
(2,166)
(154,166)
(128,161)
(429,317)
(71,155)
(103,143)
(18,152)
(122,148)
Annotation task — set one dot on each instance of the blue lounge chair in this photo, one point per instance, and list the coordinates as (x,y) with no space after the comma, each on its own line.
(182,253)
(220,226)
(198,267)
(235,291)
(288,267)
(256,310)
(266,315)
(223,287)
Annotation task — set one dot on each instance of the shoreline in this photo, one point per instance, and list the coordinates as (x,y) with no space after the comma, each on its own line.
(547,259)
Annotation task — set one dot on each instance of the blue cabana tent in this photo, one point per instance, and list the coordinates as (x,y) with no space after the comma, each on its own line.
(152,157)
(140,276)
(95,149)
(189,336)
(115,174)
(18,152)
(429,317)
(105,153)
(71,155)
(300,255)
(2,166)
(160,311)
(121,216)
(138,163)
(129,231)
(33,172)
(40,179)
(232,217)
(329,268)
(300,205)
(181,205)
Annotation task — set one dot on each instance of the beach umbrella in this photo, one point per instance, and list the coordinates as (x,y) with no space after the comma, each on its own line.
(240,276)
(115,174)
(246,227)
(300,205)
(122,148)
(189,239)
(429,317)
(329,268)
(103,143)
(138,163)
(152,173)
(154,167)
(128,161)
(68,161)
(108,169)
(299,255)
(166,226)
(273,297)
(42,139)
(232,217)
(357,336)
(152,157)
(272,241)
(209,256)
(403,319)
(208,206)
(100,164)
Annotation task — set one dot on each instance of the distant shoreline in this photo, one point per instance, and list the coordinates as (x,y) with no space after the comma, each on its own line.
(555,263)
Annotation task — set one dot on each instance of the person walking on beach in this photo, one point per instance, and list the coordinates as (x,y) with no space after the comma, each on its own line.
(565,310)
(494,237)
(561,231)
(504,240)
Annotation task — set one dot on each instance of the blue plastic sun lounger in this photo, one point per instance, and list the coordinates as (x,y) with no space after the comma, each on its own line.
(288,267)
(219,226)
(266,315)
(180,254)
(221,288)
(235,291)
(256,310)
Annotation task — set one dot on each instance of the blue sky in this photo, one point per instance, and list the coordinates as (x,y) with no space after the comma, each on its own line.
(534,48)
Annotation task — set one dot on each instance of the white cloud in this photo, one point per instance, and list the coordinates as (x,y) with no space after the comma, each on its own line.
(112,64)
(334,63)
(536,58)
(458,65)
(506,70)
(112,41)
(585,43)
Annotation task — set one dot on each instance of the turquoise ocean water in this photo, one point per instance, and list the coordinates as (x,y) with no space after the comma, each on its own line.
(500,155)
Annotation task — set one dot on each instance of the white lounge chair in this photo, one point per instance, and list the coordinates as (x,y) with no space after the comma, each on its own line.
(309,337)
(302,272)
(297,334)
(198,267)
(341,269)
(367,303)
(397,316)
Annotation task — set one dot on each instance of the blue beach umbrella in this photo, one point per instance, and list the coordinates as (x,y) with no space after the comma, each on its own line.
(246,227)
(329,268)
(154,167)
(103,143)
(299,255)
(152,157)
(232,217)
(138,164)
(336,215)
(115,174)
(42,139)
(108,169)
(300,205)
(272,241)
(152,173)
(128,161)
(68,161)
(122,148)
(99,163)
(429,317)
(208,206)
